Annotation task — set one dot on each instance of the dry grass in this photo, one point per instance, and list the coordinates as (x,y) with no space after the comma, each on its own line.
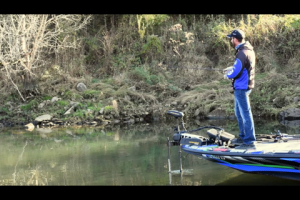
(142,96)
(205,97)
(120,79)
(122,91)
(106,93)
(101,86)
(293,64)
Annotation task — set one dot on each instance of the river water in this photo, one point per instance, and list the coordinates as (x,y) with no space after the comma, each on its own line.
(134,154)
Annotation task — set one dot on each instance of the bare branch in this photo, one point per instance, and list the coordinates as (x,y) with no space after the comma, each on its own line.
(26,40)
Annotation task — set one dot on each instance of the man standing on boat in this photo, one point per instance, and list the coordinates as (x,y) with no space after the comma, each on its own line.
(242,76)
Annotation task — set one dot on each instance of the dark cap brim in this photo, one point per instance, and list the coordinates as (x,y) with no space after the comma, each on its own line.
(229,36)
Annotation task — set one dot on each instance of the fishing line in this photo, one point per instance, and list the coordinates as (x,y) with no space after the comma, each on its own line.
(198,68)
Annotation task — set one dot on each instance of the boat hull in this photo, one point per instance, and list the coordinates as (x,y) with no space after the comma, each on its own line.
(284,163)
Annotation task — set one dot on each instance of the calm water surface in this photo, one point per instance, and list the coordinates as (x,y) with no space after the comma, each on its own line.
(120,155)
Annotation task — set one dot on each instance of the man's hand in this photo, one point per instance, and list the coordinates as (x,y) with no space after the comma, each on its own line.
(225,76)
(225,71)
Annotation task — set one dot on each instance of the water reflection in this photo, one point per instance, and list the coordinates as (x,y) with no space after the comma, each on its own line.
(128,155)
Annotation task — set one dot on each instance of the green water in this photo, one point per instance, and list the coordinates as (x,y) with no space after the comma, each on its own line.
(119,155)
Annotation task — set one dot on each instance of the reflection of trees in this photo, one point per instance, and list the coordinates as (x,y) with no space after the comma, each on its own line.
(20,157)
(34,177)
(70,172)
(27,177)
(37,160)
(135,155)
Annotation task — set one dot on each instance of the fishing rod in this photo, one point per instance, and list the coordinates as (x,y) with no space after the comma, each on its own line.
(203,68)
(294,74)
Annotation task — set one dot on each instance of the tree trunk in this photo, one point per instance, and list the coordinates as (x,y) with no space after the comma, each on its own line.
(105,24)
(112,20)
(28,82)
(194,22)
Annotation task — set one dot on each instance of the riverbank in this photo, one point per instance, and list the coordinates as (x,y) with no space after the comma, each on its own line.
(128,74)
(89,105)
(101,103)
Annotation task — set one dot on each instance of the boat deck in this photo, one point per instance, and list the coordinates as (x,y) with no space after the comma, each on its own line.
(264,144)
(275,146)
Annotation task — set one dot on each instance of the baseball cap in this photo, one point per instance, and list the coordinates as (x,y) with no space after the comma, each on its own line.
(237,33)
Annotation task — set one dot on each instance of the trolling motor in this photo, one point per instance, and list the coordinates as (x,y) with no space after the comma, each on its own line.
(216,135)
(182,136)
(180,124)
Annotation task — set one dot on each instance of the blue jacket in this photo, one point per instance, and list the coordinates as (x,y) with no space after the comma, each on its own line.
(243,71)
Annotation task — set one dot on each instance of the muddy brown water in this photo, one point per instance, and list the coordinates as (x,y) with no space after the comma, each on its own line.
(134,154)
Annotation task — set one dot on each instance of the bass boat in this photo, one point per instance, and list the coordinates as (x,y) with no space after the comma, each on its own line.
(274,154)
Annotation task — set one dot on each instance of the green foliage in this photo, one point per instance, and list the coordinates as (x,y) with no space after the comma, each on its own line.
(96,107)
(148,21)
(68,94)
(153,80)
(217,35)
(153,45)
(224,82)
(259,76)
(119,62)
(175,88)
(292,22)
(78,113)
(4,110)
(62,103)
(95,80)
(93,47)
(4,117)
(89,104)
(135,62)
(46,98)
(276,91)
(108,80)
(261,30)
(229,109)
(79,106)
(91,93)
(72,95)
(29,106)
(108,109)
(140,74)
(109,133)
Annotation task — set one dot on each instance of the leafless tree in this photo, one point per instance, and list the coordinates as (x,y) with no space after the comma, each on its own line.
(26,40)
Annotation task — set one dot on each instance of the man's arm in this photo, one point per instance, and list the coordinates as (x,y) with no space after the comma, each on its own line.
(236,69)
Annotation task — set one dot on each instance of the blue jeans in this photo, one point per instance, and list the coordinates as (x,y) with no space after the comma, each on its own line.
(244,115)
